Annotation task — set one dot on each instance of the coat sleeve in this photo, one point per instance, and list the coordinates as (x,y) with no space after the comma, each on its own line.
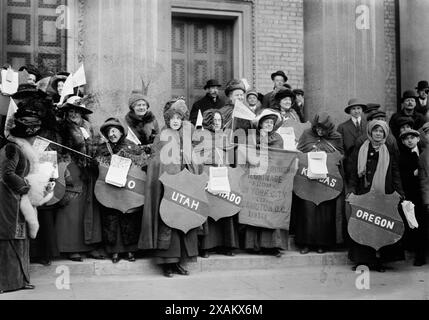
(424,177)
(15,182)
(194,113)
(396,175)
(352,186)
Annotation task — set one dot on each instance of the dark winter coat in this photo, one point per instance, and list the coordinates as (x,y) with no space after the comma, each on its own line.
(418,118)
(424,176)
(408,164)
(204,104)
(145,128)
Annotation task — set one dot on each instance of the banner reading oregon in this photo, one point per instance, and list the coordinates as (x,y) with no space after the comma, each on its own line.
(267,197)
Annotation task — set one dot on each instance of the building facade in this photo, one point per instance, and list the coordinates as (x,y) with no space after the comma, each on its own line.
(334,49)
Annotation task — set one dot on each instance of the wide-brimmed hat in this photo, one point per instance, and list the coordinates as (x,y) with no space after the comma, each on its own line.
(409,94)
(31,69)
(372,107)
(355,102)
(376,114)
(422,85)
(283,93)
(269,113)
(233,85)
(212,83)
(279,73)
(76,102)
(112,122)
(27,90)
(408,132)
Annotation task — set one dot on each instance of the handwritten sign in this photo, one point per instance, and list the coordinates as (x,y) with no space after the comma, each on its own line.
(267,197)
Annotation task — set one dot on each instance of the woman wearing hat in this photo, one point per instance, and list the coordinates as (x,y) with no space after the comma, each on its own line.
(140,120)
(56,86)
(120,231)
(16,160)
(78,224)
(235,91)
(376,167)
(284,102)
(257,239)
(171,245)
(318,226)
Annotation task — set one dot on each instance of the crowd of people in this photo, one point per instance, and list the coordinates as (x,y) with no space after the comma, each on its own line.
(372,154)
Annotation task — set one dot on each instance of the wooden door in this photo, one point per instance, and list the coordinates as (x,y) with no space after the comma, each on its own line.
(29,34)
(201,50)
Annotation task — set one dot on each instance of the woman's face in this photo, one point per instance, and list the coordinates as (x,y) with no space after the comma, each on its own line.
(217,122)
(237,95)
(140,108)
(114,135)
(286,103)
(320,131)
(60,87)
(377,134)
(176,122)
(268,125)
(74,116)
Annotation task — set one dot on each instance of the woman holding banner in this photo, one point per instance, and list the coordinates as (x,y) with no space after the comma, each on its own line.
(172,246)
(318,226)
(120,230)
(375,167)
(78,225)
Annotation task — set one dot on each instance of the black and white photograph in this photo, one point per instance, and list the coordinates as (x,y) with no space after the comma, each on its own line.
(227,152)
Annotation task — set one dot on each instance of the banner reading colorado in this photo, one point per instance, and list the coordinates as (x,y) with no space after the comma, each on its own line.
(122,199)
(184,205)
(375,220)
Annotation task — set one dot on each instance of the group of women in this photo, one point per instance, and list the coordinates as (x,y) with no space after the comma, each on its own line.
(79,224)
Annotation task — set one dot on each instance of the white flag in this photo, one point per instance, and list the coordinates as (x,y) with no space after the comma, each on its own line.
(10,116)
(68,89)
(9,80)
(79,78)
(199,122)
(243,112)
(246,84)
(132,137)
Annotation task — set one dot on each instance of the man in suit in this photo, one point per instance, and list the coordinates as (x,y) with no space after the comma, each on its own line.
(279,79)
(422,105)
(210,101)
(351,130)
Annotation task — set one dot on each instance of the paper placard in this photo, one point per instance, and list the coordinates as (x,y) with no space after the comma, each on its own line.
(289,138)
(118,171)
(9,82)
(40,145)
(218,180)
(52,157)
(408,208)
(317,168)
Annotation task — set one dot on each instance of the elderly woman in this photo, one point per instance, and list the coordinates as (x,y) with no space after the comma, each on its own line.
(284,102)
(171,246)
(257,239)
(140,120)
(222,235)
(376,167)
(120,231)
(316,225)
(16,161)
(78,224)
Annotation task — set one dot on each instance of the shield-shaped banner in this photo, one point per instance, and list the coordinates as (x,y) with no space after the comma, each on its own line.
(60,185)
(318,191)
(267,192)
(184,205)
(226,205)
(375,220)
(297,126)
(123,199)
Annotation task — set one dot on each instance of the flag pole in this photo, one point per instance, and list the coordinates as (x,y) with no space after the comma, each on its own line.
(60,145)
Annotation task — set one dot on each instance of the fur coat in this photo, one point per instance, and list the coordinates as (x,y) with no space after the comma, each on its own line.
(145,128)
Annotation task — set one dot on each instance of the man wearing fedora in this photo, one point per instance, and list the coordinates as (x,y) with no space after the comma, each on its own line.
(408,109)
(422,101)
(211,100)
(351,130)
(279,79)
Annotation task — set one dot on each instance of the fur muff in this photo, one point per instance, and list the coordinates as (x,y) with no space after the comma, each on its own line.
(38,179)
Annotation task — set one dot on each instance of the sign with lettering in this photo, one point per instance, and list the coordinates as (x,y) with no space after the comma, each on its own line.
(318,191)
(226,204)
(375,219)
(184,205)
(124,199)
(267,197)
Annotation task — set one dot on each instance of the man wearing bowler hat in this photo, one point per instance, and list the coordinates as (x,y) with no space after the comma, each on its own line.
(279,79)
(422,101)
(352,129)
(210,101)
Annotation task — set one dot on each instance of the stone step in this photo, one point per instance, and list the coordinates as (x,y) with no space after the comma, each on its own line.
(146,266)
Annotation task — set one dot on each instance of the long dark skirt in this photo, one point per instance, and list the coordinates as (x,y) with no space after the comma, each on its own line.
(257,238)
(119,246)
(222,233)
(182,248)
(45,245)
(360,254)
(14,264)
(315,225)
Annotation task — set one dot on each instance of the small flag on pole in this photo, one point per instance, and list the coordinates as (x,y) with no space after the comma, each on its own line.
(199,122)
(242,112)
(68,89)
(79,78)
(132,137)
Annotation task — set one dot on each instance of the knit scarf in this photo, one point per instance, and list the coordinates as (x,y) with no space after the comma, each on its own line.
(379,180)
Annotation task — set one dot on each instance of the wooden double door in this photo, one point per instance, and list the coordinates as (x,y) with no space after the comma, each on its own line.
(33,31)
(201,50)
